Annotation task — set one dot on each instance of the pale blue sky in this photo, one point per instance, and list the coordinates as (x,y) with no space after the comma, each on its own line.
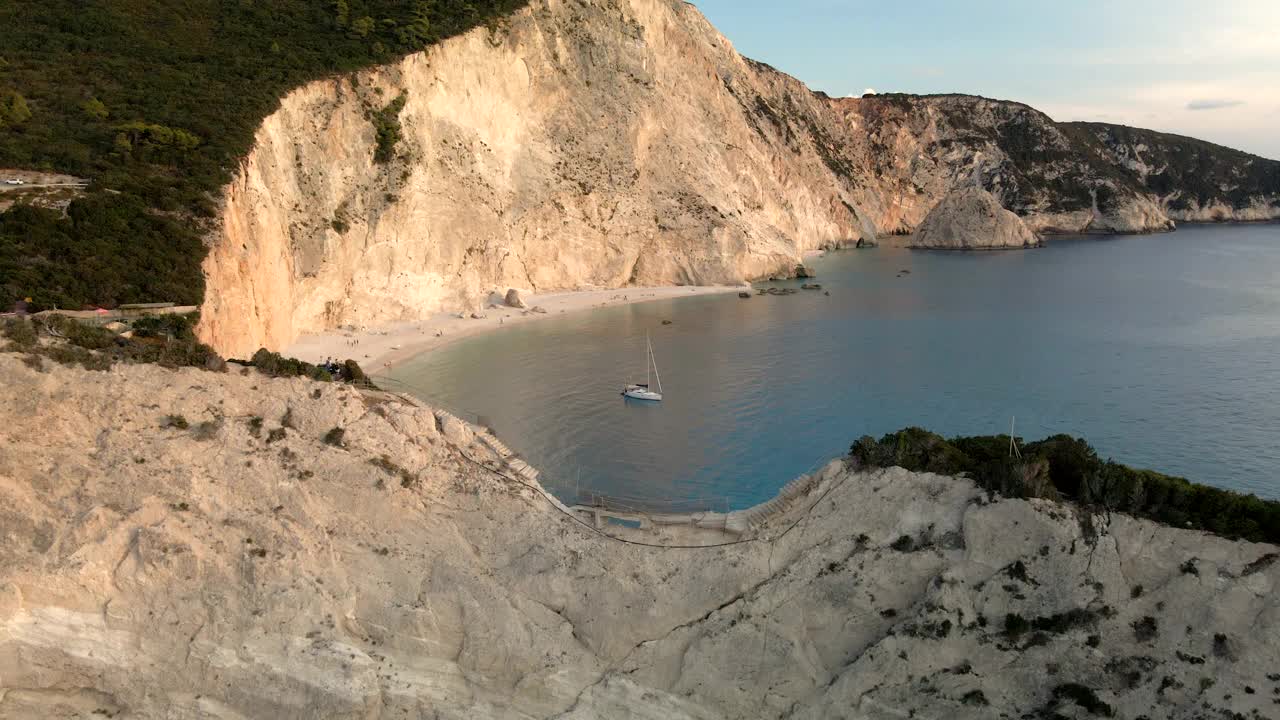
(1206,69)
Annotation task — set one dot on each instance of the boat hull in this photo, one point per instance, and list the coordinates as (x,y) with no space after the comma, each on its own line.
(642,394)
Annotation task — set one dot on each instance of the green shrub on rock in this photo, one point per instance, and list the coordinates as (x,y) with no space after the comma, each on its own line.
(1082,696)
(1070,460)
(168,341)
(202,76)
(20,332)
(276,365)
(90,337)
(334,437)
(1063,467)
(354,374)
(177,327)
(912,448)
(67,354)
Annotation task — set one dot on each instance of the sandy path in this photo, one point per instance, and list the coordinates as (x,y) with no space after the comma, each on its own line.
(378,349)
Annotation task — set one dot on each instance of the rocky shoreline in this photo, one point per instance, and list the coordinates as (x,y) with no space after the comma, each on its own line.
(293,549)
(381,348)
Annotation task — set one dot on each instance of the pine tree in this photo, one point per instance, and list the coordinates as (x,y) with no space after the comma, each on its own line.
(94,108)
(13,109)
(417,32)
(362,27)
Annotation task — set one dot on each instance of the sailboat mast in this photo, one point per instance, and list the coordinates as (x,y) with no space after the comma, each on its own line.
(648,352)
(654,360)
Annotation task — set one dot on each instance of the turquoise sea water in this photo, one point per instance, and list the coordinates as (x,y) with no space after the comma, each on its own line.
(1162,350)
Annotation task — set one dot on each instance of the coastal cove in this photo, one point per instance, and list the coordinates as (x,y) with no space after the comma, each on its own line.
(1163,351)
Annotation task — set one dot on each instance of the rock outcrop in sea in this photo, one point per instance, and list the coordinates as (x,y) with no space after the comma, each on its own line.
(972,219)
(226,545)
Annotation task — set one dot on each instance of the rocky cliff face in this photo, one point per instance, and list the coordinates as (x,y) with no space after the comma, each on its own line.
(1059,177)
(971,219)
(596,143)
(1193,180)
(257,564)
(922,147)
(612,142)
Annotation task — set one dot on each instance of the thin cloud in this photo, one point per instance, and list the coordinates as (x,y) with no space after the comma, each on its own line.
(1212,104)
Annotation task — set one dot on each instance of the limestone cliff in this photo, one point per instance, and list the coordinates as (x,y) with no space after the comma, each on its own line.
(611,142)
(1193,180)
(971,219)
(1059,177)
(596,143)
(922,147)
(185,544)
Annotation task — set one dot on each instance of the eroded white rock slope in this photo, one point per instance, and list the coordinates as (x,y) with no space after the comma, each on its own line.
(579,144)
(242,567)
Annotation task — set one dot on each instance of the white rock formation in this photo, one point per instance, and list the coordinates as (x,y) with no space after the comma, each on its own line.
(599,143)
(1258,210)
(919,149)
(244,569)
(971,219)
(455,431)
(602,143)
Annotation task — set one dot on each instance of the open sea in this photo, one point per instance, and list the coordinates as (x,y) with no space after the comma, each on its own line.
(1162,350)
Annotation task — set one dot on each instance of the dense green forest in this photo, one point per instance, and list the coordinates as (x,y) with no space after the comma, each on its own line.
(1066,468)
(155,102)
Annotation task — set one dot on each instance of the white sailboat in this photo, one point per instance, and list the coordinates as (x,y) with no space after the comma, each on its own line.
(642,391)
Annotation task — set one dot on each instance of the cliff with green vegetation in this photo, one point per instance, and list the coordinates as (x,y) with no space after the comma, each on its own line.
(1195,180)
(1060,177)
(602,143)
(157,104)
(1063,468)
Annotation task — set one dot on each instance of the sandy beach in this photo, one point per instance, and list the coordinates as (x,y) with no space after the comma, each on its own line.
(378,349)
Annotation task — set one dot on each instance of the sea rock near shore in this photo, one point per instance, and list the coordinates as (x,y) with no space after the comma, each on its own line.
(972,219)
(515,299)
(242,567)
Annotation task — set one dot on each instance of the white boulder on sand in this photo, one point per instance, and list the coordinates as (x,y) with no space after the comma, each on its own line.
(972,219)
(189,544)
(514,299)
